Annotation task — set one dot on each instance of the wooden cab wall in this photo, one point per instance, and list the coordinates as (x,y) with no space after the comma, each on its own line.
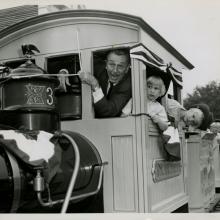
(201,171)
(130,145)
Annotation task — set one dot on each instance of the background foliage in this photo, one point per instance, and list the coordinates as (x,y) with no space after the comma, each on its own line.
(209,94)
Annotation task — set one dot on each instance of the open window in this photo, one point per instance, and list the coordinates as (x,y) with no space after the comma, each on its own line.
(99,61)
(174,92)
(68,93)
(101,66)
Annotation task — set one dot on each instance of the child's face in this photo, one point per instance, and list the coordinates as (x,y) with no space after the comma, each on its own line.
(193,117)
(153,91)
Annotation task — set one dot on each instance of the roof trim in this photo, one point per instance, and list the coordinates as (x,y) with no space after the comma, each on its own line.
(100,14)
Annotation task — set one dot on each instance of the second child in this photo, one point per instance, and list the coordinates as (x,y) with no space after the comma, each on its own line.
(155,89)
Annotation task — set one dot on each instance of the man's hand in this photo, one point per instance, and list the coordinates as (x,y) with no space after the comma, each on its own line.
(89,79)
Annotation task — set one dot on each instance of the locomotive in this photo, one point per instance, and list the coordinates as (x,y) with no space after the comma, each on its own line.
(104,165)
(26,185)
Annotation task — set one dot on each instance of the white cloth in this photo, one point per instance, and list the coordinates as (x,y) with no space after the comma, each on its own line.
(41,148)
(173,133)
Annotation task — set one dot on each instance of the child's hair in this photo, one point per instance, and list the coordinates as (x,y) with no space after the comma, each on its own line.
(207,116)
(157,80)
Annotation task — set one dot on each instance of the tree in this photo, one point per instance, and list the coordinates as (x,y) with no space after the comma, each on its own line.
(209,94)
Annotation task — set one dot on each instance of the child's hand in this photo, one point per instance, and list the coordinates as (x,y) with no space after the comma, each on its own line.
(215,127)
(192,128)
(163,125)
(154,117)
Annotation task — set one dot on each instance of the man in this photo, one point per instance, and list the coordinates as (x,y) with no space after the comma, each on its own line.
(112,87)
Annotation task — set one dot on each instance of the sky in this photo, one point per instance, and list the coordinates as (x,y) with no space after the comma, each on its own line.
(190,26)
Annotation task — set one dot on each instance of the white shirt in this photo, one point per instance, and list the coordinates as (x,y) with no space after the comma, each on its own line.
(98,93)
(155,108)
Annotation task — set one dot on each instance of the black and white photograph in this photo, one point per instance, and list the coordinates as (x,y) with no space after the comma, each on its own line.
(110,109)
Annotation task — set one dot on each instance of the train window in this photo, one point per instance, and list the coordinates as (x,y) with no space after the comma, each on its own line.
(101,67)
(68,93)
(170,92)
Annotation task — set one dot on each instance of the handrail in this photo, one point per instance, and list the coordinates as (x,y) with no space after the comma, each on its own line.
(74,175)
(72,180)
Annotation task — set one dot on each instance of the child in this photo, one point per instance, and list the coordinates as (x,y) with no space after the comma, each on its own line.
(156,89)
(197,117)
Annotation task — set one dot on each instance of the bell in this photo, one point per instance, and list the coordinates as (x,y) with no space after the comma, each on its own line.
(28,68)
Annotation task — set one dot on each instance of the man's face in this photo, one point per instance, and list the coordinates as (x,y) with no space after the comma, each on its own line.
(194,117)
(117,66)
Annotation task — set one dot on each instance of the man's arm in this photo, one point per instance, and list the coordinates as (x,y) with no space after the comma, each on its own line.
(89,79)
(113,106)
(108,107)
